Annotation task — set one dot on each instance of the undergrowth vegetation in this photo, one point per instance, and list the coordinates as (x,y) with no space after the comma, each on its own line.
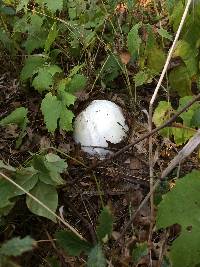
(67,47)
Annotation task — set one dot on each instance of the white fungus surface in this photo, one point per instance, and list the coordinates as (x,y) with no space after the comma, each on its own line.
(101,121)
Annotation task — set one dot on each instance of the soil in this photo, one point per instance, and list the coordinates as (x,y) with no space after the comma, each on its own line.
(124,182)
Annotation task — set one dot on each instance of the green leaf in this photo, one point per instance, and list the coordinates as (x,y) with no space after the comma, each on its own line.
(104,229)
(66,117)
(196,118)
(165,34)
(134,40)
(51,109)
(139,251)
(17,246)
(55,166)
(189,56)
(161,114)
(96,257)
(7,10)
(55,163)
(180,81)
(155,59)
(111,69)
(31,66)
(7,41)
(78,82)
(66,98)
(34,42)
(43,81)
(6,166)
(49,168)
(182,135)
(6,192)
(176,15)
(53,34)
(181,206)
(141,78)
(47,194)
(75,70)
(25,178)
(18,116)
(22,5)
(72,244)
(52,5)
(53,69)
(187,116)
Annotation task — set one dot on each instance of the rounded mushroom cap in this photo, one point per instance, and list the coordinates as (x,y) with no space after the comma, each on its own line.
(100,122)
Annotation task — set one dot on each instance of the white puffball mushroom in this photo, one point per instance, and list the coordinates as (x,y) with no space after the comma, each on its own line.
(100,122)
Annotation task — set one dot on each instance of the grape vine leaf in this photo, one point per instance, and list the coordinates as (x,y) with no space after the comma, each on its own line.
(182,206)
(67,98)
(78,82)
(16,246)
(51,108)
(66,117)
(51,103)
(45,77)
(96,257)
(104,229)
(72,244)
(31,66)
(46,194)
(43,81)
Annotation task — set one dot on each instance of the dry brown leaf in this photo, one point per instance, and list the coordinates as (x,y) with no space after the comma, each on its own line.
(125,57)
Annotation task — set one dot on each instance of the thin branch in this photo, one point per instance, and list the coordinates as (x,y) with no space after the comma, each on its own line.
(185,152)
(147,135)
(150,122)
(42,205)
